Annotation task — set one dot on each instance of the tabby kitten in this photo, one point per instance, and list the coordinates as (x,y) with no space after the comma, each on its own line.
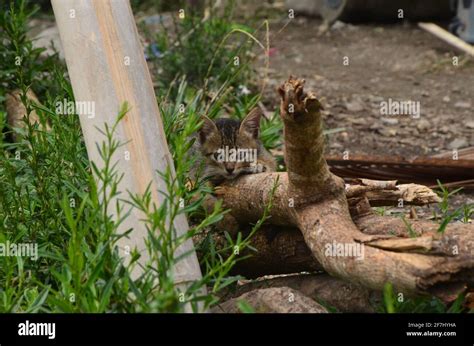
(230,148)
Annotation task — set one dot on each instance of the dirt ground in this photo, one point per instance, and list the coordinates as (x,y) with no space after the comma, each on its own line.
(400,62)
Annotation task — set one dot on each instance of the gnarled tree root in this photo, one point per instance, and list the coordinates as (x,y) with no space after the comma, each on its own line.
(312,199)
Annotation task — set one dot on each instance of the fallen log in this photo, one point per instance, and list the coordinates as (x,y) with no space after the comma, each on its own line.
(272,300)
(282,250)
(313,199)
(321,287)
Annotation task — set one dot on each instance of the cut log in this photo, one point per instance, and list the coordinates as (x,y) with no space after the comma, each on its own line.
(343,296)
(280,250)
(272,300)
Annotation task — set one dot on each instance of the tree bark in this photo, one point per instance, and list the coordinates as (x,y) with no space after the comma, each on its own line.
(272,300)
(341,295)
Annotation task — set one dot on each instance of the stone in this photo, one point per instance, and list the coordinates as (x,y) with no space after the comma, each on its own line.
(423,125)
(458,143)
(462,104)
(354,106)
(390,121)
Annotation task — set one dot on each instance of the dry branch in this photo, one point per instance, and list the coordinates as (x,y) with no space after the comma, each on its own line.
(422,170)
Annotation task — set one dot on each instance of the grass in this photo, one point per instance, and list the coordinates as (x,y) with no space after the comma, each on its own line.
(201,50)
(394,302)
(463,214)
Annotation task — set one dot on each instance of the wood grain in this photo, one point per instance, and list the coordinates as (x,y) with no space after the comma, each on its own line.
(106,65)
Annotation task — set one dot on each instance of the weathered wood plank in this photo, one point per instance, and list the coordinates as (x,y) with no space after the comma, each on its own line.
(107,67)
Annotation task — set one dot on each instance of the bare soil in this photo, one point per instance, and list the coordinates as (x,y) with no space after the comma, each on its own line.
(398,62)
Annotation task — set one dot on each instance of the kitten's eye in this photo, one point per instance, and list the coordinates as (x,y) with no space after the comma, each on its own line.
(215,156)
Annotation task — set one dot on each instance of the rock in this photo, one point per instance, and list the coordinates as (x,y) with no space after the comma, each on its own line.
(375,126)
(462,104)
(375,99)
(458,143)
(354,106)
(470,124)
(423,125)
(443,129)
(388,132)
(390,121)
(446,99)
(338,25)
(357,121)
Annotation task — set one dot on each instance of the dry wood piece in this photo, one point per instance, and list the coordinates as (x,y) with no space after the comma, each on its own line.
(384,193)
(96,43)
(343,296)
(447,37)
(423,170)
(271,300)
(313,199)
(16,111)
(280,250)
(413,194)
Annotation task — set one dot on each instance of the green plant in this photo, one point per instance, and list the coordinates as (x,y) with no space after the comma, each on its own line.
(411,231)
(201,49)
(446,216)
(467,211)
(398,303)
(52,197)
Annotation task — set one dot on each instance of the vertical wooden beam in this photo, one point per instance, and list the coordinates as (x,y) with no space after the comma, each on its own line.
(107,67)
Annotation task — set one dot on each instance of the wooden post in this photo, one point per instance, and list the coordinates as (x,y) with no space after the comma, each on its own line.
(107,67)
(447,37)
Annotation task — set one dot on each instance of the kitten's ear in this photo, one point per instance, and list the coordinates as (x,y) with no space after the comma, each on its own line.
(207,129)
(251,123)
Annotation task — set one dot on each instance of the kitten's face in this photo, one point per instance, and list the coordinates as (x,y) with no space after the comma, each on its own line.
(230,146)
